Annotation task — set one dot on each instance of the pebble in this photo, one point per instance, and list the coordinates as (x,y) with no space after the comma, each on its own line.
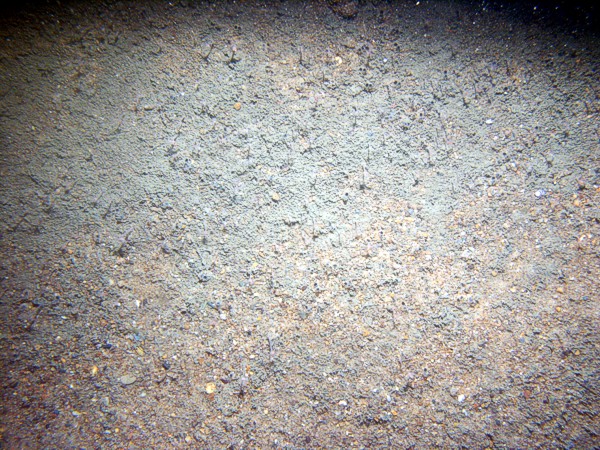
(237,106)
(211,388)
(461,398)
(466,254)
(127,380)
(345,8)
(276,197)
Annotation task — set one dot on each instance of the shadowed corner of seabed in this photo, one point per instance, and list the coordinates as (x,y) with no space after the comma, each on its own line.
(578,15)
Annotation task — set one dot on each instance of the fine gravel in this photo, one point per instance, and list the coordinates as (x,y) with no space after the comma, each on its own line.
(327,224)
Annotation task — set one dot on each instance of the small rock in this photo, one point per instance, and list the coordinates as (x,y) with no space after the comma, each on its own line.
(276,197)
(349,43)
(237,106)
(467,254)
(211,388)
(461,398)
(204,277)
(127,380)
(345,8)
